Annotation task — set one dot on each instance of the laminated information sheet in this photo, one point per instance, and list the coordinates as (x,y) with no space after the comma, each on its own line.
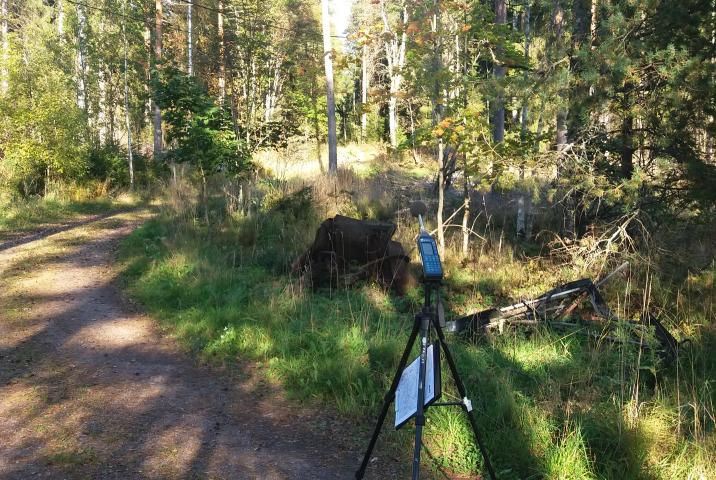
(406,396)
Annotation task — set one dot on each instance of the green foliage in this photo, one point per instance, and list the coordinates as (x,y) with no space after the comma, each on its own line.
(110,164)
(201,132)
(43,132)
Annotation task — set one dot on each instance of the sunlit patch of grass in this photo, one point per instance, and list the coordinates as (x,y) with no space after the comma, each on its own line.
(550,404)
(72,457)
(569,459)
(28,214)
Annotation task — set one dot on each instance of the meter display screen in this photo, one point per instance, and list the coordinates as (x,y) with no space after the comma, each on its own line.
(429,254)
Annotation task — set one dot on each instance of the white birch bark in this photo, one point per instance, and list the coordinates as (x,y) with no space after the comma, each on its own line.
(498,134)
(60,19)
(437,116)
(222,53)
(328,65)
(189,46)
(102,104)
(157,126)
(127,124)
(395,56)
(81,59)
(524,200)
(365,80)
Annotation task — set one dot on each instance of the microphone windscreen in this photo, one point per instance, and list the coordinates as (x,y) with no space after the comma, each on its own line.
(418,208)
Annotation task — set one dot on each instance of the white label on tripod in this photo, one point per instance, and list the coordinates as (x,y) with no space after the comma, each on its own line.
(406,396)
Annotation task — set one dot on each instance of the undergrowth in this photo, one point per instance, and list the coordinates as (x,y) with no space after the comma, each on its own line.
(550,404)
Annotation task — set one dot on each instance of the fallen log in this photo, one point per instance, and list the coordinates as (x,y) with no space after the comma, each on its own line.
(559,303)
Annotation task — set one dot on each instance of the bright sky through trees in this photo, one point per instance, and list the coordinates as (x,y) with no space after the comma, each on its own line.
(341,15)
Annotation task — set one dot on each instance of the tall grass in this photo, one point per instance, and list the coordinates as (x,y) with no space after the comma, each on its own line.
(550,404)
(22,215)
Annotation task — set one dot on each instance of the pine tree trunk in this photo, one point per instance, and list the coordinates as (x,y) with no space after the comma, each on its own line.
(157,130)
(4,85)
(627,147)
(557,52)
(328,64)
(580,36)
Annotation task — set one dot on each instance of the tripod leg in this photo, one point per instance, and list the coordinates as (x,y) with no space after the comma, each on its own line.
(389,397)
(420,413)
(466,403)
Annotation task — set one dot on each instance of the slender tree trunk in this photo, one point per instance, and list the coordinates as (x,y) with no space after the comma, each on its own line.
(524,200)
(127,124)
(395,55)
(157,60)
(148,74)
(328,63)
(498,134)
(4,85)
(204,194)
(437,116)
(580,36)
(189,46)
(82,59)
(317,129)
(60,19)
(558,49)
(102,101)
(222,53)
(627,147)
(364,94)
(465,215)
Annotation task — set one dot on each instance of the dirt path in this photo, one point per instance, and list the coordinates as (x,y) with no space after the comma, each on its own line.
(89,388)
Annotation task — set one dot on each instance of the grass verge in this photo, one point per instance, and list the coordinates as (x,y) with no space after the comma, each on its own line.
(25,216)
(551,405)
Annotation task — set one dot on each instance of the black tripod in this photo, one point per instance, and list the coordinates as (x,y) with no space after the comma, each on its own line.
(424,321)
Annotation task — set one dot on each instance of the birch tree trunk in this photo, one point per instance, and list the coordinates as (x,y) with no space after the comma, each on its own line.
(498,134)
(60,19)
(222,53)
(466,215)
(189,46)
(4,85)
(157,60)
(328,64)
(437,116)
(364,94)
(127,124)
(102,101)
(524,200)
(81,58)
(395,56)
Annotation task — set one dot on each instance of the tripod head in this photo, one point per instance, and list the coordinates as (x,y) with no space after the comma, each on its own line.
(429,255)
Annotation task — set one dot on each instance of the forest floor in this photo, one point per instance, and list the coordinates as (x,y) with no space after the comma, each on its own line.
(91,388)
